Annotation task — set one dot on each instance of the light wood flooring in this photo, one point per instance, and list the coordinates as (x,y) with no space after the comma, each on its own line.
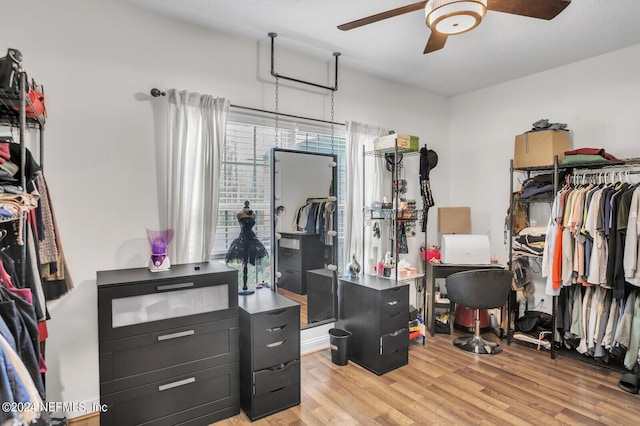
(443,385)
(301,299)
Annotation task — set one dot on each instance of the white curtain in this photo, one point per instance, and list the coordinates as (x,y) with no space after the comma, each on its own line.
(195,142)
(360,137)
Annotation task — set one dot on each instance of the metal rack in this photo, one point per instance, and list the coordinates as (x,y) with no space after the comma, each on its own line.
(510,309)
(13,113)
(592,169)
(395,215)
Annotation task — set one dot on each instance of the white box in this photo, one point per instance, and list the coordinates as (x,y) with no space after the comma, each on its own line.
(465,249)
(403,142)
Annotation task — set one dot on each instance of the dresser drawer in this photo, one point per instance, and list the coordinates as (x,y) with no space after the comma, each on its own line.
(134,361)
(394,320)
(276,400)
(278,352)
(392,360)
(396,296)
(274,319)
(137,308)
(398,339)
(270,380)
(290,257)
(292,280)
(174,401)
(275,334)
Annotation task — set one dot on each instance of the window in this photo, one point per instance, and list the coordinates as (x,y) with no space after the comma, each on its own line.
(246,170)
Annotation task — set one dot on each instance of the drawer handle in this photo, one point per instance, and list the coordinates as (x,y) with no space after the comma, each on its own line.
(278,328)
(176,335)
(276,344)
(176,384)
(395,333)
(393,302)
(280,312)
(174,286)
(277,390)
(397,314)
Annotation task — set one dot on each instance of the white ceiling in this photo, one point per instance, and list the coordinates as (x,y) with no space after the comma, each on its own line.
(504,47)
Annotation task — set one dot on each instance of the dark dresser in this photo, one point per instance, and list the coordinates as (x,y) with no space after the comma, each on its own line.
(169,345)
(269,353)
(376,311)
(321,296)
(298,253)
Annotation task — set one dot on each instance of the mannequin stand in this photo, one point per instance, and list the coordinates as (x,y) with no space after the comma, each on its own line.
(245,289)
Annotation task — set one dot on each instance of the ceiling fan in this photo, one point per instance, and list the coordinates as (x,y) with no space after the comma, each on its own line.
(450,17)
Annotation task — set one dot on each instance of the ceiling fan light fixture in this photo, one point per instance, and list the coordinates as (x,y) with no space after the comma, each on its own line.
(454,16)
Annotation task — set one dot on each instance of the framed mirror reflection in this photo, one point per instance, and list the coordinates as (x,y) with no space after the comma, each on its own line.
(304,231)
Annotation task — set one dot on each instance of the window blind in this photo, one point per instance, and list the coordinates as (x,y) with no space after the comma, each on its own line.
(246,170)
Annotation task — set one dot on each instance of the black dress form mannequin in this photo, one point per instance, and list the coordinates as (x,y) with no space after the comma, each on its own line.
(247,248)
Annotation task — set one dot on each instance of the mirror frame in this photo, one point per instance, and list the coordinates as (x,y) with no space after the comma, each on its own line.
(274,240)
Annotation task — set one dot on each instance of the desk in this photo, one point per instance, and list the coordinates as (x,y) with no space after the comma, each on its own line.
(443,270)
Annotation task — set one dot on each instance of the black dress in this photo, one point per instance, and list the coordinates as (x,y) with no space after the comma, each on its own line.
(247,248)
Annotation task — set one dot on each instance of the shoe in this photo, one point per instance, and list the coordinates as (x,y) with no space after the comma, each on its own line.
(629,383)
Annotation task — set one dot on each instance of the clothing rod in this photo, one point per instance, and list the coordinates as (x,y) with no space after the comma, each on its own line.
(276,75)
(602,172)
(156,93)
(321,199)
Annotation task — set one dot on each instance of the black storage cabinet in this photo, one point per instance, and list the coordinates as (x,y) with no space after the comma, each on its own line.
(322,299)
(169,345)
(269,353)
(376,312)
(297,254)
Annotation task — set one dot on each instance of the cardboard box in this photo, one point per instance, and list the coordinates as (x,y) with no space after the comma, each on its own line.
(534,149)
(454,220)
(405,142)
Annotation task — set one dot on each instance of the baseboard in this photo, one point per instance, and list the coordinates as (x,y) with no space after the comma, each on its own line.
(315,338)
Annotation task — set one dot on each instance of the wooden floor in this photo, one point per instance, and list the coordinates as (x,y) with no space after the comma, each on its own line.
(443,385)
(301,299)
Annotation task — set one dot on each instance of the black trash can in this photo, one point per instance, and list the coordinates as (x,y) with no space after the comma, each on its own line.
(338,340)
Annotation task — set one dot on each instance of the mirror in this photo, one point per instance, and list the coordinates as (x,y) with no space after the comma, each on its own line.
(305,242)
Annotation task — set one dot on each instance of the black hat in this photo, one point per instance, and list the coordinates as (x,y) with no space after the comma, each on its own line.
(428,162)
(432,157)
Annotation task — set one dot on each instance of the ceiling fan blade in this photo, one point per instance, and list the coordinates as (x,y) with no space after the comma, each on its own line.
(543,9)
(436,42)
(384,15)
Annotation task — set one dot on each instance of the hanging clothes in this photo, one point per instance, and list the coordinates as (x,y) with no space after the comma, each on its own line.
(316,216)
(631,262)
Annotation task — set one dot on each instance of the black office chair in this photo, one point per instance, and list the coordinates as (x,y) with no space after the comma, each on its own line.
(479,289)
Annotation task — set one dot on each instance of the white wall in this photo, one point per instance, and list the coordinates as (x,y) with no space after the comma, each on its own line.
(599,99)
(98,60)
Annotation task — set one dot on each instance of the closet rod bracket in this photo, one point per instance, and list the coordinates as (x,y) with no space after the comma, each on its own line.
(276,75)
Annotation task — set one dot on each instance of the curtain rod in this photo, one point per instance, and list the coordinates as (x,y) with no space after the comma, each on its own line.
(286,115)
(157,93)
